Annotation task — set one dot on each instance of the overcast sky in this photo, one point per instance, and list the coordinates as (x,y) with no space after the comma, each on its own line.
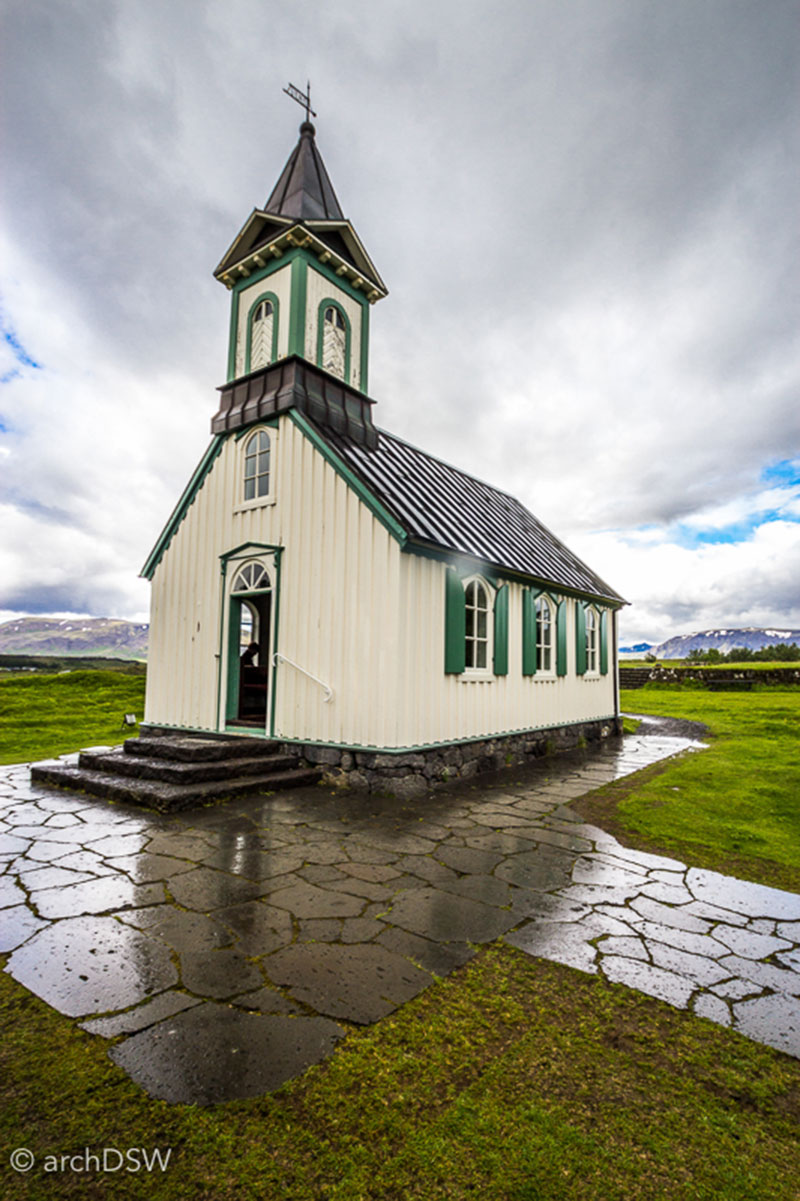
(586,215)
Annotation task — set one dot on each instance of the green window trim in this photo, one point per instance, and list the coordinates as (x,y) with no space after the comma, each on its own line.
(232,691)
(561,638)
(273,299)
(580,640)
(331,303)
(230,610)
(269,422)
(501,631)
(246,550)
(604,643)
(455,625)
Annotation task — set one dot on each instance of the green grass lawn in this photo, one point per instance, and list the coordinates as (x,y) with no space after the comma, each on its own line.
(734,807)
(512,1080)
(46,715)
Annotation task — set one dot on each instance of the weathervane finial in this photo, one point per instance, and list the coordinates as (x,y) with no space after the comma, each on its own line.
(302,98)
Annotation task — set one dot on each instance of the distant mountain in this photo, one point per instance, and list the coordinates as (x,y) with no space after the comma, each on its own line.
(752,638)
(96,636)
(638,649)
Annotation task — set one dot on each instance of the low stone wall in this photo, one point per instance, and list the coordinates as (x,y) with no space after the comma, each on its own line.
(636,677)
(411,774)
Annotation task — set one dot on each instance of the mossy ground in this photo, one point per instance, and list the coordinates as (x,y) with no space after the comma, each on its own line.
(514,1078)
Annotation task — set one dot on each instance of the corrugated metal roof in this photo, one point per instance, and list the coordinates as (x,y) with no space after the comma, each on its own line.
(439,505)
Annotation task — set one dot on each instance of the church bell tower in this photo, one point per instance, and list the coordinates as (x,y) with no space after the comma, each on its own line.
(301,282)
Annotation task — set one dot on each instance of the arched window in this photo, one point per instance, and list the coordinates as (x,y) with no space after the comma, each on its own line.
(544,634)
(334,342)
(476,644)
(256,466)
(262,325)
(253,577)
(591,640)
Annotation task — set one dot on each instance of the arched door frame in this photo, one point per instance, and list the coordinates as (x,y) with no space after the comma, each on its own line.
(269,557)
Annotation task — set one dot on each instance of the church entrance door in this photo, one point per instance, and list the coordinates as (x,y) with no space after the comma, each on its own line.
(247,699)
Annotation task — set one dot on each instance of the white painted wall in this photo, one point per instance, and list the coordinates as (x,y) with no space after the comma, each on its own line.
(339,568)
(320,288)
(354,610)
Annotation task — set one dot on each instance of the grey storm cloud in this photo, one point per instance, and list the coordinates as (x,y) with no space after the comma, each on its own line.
(585,214)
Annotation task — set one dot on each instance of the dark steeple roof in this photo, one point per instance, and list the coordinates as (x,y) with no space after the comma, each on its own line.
(304,190)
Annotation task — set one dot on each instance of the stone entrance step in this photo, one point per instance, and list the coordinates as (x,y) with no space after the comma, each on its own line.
(197,749)
(169,773)
(183,771)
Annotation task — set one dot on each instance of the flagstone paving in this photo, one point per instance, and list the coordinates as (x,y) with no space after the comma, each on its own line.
(227,949)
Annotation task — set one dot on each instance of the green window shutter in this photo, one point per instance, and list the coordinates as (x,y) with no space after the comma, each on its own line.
(528,633)
(604,643)
(455,625)
(501,631)
(561,639)
(580,639)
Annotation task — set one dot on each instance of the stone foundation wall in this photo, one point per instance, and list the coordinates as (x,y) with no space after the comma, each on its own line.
(411,774)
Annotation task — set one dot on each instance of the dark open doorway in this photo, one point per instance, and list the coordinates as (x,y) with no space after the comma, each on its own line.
(249,659)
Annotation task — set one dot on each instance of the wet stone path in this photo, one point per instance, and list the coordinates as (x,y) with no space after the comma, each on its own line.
(226,949)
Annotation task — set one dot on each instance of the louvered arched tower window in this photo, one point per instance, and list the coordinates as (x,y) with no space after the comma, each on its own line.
(334,342)
(262,325)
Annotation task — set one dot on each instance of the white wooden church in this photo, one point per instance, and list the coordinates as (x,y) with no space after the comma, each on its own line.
(324,583)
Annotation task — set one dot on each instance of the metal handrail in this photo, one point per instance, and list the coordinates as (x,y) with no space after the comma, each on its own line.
(278,657)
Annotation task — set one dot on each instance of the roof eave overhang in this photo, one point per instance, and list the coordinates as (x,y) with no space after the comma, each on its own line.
(234,254)
(436,550)
(301,234)
(354,244)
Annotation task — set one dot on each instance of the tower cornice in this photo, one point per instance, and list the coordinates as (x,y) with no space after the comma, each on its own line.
(359,273)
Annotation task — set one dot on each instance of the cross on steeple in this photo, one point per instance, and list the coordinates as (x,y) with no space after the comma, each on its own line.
(301,98)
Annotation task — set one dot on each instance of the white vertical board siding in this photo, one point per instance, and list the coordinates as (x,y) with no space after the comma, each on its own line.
(338,600)
(320,288)
(435,707)
(353,610)
(278,282)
